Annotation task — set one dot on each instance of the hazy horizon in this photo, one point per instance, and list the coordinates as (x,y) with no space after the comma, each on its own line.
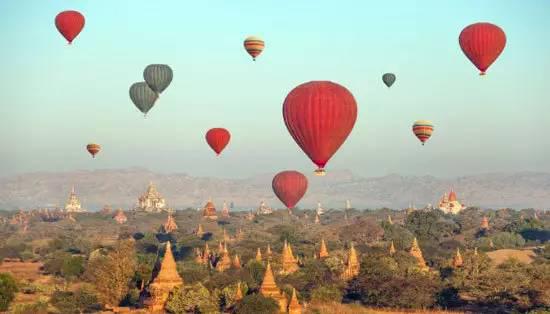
(58,98)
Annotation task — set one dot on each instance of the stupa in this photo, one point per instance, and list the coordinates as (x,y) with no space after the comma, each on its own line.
(237,262)
(238,292)
(224,262)
(319,210)
(167,278)
(120,217)
(457,259)
(323,252)
(417,253)
(450,204)
(392,248)
(151,201)
(209,211)
(268,250)
(225,210)
(352,265)
(258,255)
(170,224)
(73,203)
(290,264)
(264,209)
(269,289)
(294,306)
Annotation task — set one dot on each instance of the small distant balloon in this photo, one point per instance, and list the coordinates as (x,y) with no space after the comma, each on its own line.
(482,43)
(289,186)
(69,24)
(388,79)
(93,149)
(217,139)
(254,46)
(423,129)
(158,77)
(143,96)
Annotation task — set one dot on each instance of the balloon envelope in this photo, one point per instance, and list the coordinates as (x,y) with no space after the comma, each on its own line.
(218,138)
(423,129)
(69,24)
(142,96)
(289,186)
(254,46)
(320,115)
(158,77)
(93,149)
(388,79)
(482,43)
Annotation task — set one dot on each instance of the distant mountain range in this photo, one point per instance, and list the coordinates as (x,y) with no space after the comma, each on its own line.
(121,188)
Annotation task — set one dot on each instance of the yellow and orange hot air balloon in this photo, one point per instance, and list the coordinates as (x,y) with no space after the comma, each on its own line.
(254,45)
(423,129)
(93,149)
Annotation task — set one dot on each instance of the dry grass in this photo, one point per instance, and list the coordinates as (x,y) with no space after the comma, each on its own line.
(332,308)
(500,256)
(22,270)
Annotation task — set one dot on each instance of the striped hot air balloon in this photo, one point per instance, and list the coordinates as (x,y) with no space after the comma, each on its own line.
(423,129)
(254,46)
(93,149)
(158,77)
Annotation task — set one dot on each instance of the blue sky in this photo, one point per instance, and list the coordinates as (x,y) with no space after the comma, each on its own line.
(56,98)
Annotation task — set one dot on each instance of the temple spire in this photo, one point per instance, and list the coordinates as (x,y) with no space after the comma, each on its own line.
(352,265)
(238,292)
(294,306)
(258,255)
(417,253)
(289,262)
(457,259)
(392,248)
(323,252)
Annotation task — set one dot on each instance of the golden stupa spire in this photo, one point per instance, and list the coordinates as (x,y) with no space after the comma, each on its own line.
(352,266)
(457,259)
(294,306)
(392,248)
(269,287)
(417,253)
(237,262)
(238,292)
(268,251)
(258,255)
(225,261)
(290,264)
(323,252)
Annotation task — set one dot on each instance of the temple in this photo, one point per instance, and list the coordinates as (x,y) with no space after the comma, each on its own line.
(449,204)
(264,209)
(120,217)
(290,264)
(170,224)
(237,262)
(151,201)
(485,223)
(225,210)
(258,255)
(417,253)
(209,211)
(392,248)
(238,292)
(224,262)
(269,289)
(154,297)
(73,203)
(319,210)
(352,265)
(457,259)
(323,252)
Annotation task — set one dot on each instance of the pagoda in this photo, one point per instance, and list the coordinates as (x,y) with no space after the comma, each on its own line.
(167,278)
(417,253)
(319,210)
(352,265)
(224,262)
(392,248)
(485,223)
(457,259)
(323,252)
(225,210)
(238,292)
(237,262)
(269,289)
(199,232)
(450,204)
(170,224)
(290,264)
(151,201)
(294,306)
(268,250)
(264,209)
(120,217)
(209,211)
(73,203)
(258,255)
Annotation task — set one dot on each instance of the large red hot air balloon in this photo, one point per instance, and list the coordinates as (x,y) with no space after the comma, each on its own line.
(93,149)
(482,43)
(289,186)
(320,115)
(69,24)
(217,138)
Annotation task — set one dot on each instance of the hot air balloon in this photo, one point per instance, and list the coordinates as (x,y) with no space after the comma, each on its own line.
(289,186)
(143,96)
(319,115)
(217,138)
(482,43)
(93,149)
(158,77)
(388,79)
(254,46)
(423,129)
(69,24)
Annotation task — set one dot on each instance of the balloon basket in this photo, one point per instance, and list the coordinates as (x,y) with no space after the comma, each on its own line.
(320,172)
(482,73)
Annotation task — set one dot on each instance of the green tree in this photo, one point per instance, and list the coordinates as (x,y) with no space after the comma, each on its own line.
(326,294)
(8,288)
(192,299)
(39,307)
(80,301)
(430,225)
(72,267)
(256,303)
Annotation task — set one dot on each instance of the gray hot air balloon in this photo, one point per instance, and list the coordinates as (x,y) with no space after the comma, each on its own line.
(389,79)
(143,96)
(158,77)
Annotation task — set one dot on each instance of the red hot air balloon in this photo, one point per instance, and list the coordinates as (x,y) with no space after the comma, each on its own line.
(482,43)
(320,115)
(93,149)
(69,24)
(289,186)
(218,138)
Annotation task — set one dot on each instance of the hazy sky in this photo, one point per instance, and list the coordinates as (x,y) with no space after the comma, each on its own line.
(56,98)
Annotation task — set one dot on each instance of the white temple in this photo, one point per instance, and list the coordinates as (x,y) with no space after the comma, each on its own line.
(264,209)
(449,204)
(320,210)
(73,204)
(151,201)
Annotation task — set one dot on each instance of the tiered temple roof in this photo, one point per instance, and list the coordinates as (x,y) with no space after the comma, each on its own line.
(264,209)
(323,252)
(352,265)
(417,253)
(294,306)
(268,250)
(224,262)
(290,264)
(450,204)
(209,211)
(269,289)
(73,203)
(170,224)
(457,259)
(151,200)
(166,280)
